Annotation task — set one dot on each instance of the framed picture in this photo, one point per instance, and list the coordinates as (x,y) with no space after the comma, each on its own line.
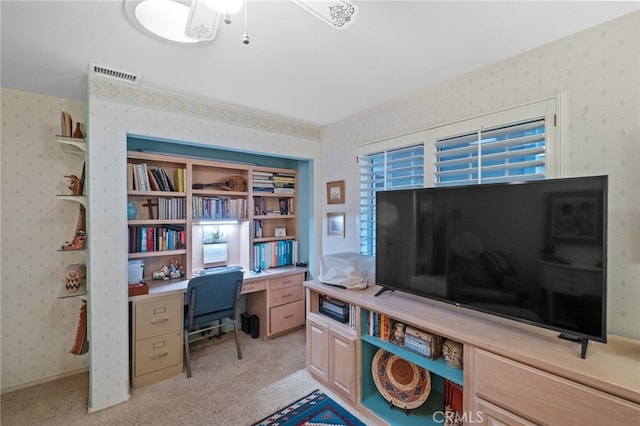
(335,225)
(574,218)
(335,192)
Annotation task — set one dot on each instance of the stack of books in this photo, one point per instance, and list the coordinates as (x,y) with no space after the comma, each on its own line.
(284,183)
(262,181)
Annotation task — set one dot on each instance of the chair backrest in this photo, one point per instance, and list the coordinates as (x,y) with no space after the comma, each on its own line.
(212,297)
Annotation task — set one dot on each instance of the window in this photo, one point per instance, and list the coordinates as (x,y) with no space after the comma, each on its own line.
(507,146)
(388,169)
(504,154)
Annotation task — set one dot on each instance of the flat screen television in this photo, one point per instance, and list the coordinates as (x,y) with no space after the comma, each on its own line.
(533,252)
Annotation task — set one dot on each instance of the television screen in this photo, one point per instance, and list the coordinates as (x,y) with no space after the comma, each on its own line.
(533,251)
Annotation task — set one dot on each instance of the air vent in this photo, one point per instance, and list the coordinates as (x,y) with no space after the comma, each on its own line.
(109,72)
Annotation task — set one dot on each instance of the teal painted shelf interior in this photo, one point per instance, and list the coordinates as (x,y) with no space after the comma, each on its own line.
(429,413)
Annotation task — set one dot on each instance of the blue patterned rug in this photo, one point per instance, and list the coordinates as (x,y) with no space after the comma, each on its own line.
(314,409)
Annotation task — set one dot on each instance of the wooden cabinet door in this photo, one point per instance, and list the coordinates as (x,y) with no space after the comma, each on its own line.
(342,361)
(317,349)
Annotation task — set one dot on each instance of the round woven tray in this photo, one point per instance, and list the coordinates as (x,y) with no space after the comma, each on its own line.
(400,382)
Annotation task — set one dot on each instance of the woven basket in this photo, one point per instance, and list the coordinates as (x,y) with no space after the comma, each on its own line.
(402,383)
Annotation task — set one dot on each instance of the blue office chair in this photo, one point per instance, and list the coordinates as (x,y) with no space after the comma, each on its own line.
(211,298)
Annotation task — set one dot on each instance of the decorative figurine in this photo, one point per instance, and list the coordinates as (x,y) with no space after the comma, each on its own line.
(398,333)
(75,184)
(452,352)
(78,242)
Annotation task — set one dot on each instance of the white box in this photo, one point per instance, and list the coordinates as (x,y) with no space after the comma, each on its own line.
(136,271)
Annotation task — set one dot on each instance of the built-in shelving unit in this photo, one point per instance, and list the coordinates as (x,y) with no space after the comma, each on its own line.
(539,379)
(74,146)
(204,193)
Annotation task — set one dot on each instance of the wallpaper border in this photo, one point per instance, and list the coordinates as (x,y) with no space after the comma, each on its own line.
(193,107)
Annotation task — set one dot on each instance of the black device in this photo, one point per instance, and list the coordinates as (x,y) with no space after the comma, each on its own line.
(533,251)
(255,326)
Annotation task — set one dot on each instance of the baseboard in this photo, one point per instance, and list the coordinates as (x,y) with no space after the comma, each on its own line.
(45,380)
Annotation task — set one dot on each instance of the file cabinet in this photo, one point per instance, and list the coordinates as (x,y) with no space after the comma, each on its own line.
(156,338)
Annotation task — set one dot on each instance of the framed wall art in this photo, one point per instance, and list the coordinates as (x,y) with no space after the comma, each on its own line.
(335,225)
(574,218)
(335,192)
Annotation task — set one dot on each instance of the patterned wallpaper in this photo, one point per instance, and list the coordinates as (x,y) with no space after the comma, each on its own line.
(596,73)
(38,329)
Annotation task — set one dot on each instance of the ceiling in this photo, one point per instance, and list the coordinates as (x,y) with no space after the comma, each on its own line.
(296,66)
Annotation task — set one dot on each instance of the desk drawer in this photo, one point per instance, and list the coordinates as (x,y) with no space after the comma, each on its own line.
(549,399)
(253,286)
(284,282)
(285,295)
(156,353)
(287,316)
(159,316)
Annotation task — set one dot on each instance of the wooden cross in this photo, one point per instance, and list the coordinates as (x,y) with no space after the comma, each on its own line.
(151,205)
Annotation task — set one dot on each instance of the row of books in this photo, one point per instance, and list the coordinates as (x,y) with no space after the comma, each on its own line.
(171,208)
(421,342)
(261,206)
(142,177)
(143,239)
(219,208)
(275,253)
(277,183)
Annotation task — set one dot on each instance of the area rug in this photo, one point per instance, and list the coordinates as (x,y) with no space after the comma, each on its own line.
(314,409)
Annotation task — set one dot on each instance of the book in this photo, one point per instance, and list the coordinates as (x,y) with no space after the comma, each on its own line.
(153,183)
(66,124)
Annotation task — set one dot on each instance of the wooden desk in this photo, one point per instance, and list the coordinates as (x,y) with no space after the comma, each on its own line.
(157,318)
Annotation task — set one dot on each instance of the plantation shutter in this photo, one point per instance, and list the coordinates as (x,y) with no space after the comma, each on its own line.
(391,169)
(509,153)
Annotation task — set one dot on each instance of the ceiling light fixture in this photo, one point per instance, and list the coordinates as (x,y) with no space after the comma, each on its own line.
(196,21)
(182,21)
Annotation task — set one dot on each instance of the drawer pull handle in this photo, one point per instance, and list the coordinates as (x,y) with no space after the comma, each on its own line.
(159,320)
(157,356)
(287,282)
(287,295)
(289,316)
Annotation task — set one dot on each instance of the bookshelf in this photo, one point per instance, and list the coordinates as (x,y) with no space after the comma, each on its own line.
(74,146)
(254,206)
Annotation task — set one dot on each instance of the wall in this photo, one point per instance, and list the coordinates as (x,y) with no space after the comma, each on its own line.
(116,110)
(38,329)
(596,72)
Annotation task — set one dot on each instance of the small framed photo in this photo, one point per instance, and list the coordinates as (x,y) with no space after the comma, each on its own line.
(335,225)
(280,232)
(335,192)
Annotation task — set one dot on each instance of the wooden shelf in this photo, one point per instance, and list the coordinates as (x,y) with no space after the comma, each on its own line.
(135,192)
(64,293)
(75,146)
(157,253)
(155,222)
(82,199)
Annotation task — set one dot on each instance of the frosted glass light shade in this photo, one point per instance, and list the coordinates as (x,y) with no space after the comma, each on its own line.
(164,18)
(225,6)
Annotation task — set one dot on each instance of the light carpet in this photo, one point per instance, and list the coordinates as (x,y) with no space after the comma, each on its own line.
(223,390)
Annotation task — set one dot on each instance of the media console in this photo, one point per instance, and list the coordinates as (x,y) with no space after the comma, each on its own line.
(513,373)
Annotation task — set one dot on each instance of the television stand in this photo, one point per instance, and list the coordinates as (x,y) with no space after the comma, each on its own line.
(382,290)
(584,341)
